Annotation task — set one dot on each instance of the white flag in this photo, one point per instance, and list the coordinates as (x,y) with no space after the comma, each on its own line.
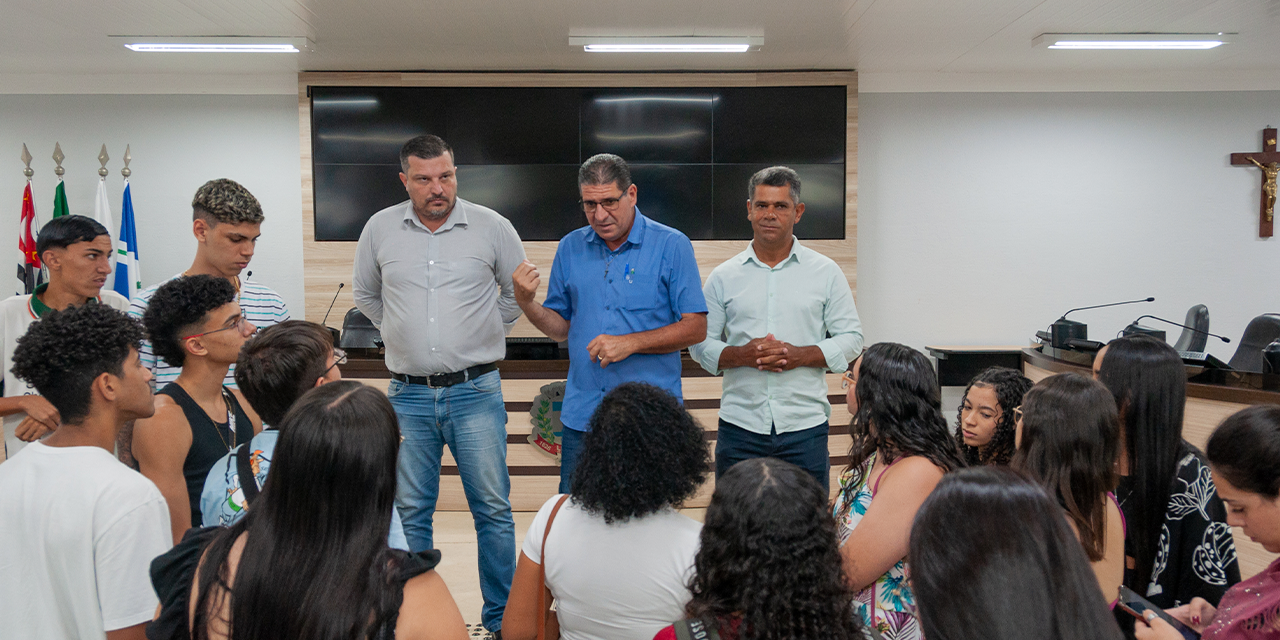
(102,211)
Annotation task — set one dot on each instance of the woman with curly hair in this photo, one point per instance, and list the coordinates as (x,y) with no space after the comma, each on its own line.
(769,565)
(992,558)
(985,424)
(618,553)
(901,449)
(1068,440)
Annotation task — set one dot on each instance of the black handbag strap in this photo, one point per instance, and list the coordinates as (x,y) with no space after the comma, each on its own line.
(244,467)
(696,629)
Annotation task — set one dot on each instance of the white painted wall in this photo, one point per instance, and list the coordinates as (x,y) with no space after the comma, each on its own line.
(178,142)
(982,217)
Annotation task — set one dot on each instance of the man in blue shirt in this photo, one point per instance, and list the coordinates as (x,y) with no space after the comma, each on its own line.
(624,291)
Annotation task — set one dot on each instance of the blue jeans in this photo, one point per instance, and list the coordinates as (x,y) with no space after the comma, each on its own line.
(570,449)
(806,448)
(471,418)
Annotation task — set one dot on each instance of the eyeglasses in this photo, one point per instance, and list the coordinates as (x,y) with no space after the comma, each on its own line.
(609,204)
(1017,412)
(339,357)
(847,380)
(238,322)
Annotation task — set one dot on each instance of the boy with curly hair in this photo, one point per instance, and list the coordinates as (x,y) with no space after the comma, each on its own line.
(196,325)
(78,530)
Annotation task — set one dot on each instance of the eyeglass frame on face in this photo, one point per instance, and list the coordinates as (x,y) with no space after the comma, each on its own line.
(339,357)
(239,323)
(847,380)
(1017,413)
(609,204)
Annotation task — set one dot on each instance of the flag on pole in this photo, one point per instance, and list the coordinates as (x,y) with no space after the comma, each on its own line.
(128,279)
(102,212)
(29,267)
(60,201)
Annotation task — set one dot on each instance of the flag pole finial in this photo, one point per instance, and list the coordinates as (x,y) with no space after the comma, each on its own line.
(58,157)
(126,171)
(26,159)
(103,158)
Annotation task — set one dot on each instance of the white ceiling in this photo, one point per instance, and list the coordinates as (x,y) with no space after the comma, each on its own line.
(63,45)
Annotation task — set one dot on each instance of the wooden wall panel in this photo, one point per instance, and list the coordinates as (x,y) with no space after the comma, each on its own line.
(325,264)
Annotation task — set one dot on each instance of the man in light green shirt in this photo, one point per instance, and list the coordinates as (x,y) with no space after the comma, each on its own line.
(780,316)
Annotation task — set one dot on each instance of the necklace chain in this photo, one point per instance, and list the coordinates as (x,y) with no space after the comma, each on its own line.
(231,422)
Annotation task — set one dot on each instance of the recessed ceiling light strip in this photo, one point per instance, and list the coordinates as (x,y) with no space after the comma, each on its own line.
(177,47)
(1133,41)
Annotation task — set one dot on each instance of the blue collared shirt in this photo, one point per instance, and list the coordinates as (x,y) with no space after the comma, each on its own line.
(647,283)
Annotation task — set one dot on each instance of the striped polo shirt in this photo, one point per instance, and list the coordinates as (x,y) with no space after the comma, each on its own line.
(258,303)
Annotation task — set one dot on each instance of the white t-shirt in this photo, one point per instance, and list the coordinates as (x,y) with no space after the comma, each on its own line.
(615,581)
(78,531)
(16,316)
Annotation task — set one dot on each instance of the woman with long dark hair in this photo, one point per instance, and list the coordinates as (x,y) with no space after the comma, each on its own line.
(1178,537)
(1068,438)
(993,559)
(985,420)
(310,560)
(901,448)
(618,553)
(769,564)
(1244,454)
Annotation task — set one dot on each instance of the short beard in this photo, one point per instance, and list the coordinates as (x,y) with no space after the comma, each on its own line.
(433,215)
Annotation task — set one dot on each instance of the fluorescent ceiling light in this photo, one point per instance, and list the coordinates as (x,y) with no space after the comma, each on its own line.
(212,48)
(668,48)
(213,44)
(1132,41)
(667,44)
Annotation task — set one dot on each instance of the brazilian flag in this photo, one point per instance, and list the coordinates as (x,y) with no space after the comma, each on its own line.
(60,201)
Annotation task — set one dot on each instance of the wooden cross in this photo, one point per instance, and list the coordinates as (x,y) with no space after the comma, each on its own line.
(1269,162)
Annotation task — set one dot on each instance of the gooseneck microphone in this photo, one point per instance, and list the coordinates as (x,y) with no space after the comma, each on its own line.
(1069,334)
(1110,304)
(334,301)
(1176,324)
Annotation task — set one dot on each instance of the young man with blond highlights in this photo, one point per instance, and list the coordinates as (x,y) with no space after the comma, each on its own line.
(226,220)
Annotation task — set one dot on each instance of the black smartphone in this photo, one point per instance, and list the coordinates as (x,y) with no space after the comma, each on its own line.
(1137,605)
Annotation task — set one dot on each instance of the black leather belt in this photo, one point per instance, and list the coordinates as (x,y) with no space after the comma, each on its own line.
(439,380)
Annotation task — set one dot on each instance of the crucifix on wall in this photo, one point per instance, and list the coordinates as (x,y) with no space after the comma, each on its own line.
(1269,162)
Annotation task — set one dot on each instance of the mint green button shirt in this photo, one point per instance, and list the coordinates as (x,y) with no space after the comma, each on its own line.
(805,300)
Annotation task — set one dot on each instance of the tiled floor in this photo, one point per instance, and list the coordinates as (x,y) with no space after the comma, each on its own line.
(456,540)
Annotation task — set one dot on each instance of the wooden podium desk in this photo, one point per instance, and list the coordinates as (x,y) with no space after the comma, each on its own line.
(957,365)
(1212,395)
(535,476)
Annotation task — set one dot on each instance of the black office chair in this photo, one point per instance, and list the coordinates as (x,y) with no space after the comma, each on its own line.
(1198,317)
(1261,331)
(358,332)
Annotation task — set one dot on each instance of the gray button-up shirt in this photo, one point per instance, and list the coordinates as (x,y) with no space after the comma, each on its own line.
(443,300)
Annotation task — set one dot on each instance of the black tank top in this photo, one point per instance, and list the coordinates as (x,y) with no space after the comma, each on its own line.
(209,441)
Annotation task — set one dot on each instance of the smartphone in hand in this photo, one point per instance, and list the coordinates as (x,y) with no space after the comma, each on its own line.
(1137,605)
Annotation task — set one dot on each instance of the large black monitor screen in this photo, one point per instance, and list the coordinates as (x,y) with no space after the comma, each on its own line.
(691,151)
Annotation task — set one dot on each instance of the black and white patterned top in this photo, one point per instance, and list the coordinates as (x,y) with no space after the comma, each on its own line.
(1197,555)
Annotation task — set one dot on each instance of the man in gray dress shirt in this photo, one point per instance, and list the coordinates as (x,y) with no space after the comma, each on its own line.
(434,274)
